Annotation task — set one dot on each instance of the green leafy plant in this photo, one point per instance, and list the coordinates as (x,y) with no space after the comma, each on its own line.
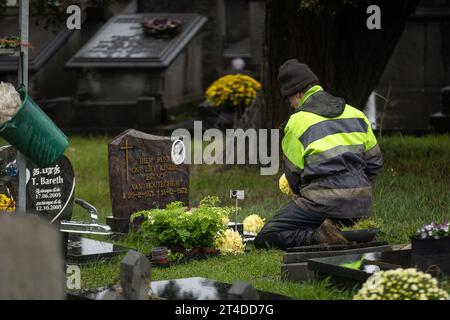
(174,256)
(362,224)
(181,228)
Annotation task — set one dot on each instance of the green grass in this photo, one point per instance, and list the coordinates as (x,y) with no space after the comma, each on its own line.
(413,189)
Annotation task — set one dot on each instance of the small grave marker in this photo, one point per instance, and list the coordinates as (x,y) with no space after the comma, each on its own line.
(135,272)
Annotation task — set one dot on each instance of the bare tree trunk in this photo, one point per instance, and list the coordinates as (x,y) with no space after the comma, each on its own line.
(348,58)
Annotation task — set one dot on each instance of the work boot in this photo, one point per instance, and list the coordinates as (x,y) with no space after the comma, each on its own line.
(328,233)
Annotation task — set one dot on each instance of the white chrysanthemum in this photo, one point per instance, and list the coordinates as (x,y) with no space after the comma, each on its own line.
(253,223)
(401,284)
(9,101)
(229,242)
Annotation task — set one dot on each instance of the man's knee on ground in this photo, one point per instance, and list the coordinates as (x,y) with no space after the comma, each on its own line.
(266,240)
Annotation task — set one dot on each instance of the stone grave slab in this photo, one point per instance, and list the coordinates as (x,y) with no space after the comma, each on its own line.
(82,250)
(181,289)
(142,176)
(200,289)
(122,43)
(50,190)
(355,269)
(295,266)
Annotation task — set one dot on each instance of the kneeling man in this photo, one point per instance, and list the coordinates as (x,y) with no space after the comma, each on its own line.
(331,156)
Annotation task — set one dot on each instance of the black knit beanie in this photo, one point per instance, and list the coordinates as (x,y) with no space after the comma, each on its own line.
(294,77)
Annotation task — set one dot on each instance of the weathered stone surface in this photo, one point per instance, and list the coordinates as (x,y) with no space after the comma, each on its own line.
(31,264)
(135,272)
(122,43)
(242,291)
(142,175)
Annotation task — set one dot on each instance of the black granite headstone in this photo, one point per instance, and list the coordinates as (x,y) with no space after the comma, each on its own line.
(50,190)
(179,289)
(83,250)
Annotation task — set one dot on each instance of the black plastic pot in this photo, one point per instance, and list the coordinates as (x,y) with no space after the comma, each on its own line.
(431,254)
(362,235)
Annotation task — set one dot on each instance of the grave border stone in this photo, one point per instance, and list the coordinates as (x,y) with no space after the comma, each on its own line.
(295,266)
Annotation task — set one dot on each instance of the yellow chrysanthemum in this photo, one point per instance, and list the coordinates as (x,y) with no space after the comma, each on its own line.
(225,220)
(253,223)
(6,203)
(229,242)
(284,186)
(236,90)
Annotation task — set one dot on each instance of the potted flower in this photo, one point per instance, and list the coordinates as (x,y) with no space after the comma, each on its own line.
(401,284)
(365,230)
(231,95)
(229,242)
(185,230)
(161,27)
(9,45)
(430,247)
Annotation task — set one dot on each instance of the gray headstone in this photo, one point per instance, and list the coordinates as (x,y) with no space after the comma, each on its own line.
(31,264)
(135,272)
(242,291)
(142,175)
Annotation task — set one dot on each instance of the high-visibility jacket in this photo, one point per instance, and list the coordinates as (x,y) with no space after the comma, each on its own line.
(330,156)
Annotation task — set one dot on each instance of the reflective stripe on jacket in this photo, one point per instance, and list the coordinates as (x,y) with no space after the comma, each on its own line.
(330,156)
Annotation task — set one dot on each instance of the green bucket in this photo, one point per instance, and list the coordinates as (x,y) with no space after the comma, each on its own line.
(33,133)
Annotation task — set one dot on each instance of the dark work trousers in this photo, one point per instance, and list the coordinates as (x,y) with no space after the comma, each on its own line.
(290,227)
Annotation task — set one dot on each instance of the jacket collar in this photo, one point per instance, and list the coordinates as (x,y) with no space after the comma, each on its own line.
(308,94)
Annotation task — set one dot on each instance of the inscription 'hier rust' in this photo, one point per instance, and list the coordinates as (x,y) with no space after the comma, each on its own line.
(142,174)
